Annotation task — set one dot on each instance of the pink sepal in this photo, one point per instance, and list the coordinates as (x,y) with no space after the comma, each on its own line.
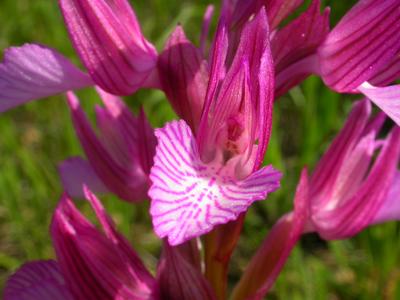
(178,279)
(361,44)
(184,77)
(76,172)
(109,41)
(34,71)
(37,280)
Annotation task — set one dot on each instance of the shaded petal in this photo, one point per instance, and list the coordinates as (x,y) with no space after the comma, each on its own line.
(115,157)
(189,197)
(33,71)
(76,172)
(390,209)
(37,280)
(361,44)
(296,42)
(265,266)
(184,77)
(178,279)
(96,265)
(386,98)
(108,39)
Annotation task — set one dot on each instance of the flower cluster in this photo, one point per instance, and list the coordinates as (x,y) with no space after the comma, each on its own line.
(202,172)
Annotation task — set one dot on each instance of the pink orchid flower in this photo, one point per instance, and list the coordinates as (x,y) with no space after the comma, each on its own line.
(203,179)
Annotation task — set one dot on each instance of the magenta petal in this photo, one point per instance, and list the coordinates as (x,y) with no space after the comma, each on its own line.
(37,280)
(107,37)
(33,71)
(296,42)
(178,279)
(190,197)
(96,265)
(76,172)
(386,98)
(361,44)
(265,266)
(390,209)
(184,77)
(114,155)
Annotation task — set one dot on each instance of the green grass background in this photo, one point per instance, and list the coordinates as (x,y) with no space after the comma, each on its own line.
(35,137)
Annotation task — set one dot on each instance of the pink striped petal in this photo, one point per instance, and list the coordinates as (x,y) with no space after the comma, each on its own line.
(265,266)
(37,280)
(107,37)
(190,197)
(361,44)
(386,98)
(184,77)
(76,172)
(296,42)
(33,71)
(177,279)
